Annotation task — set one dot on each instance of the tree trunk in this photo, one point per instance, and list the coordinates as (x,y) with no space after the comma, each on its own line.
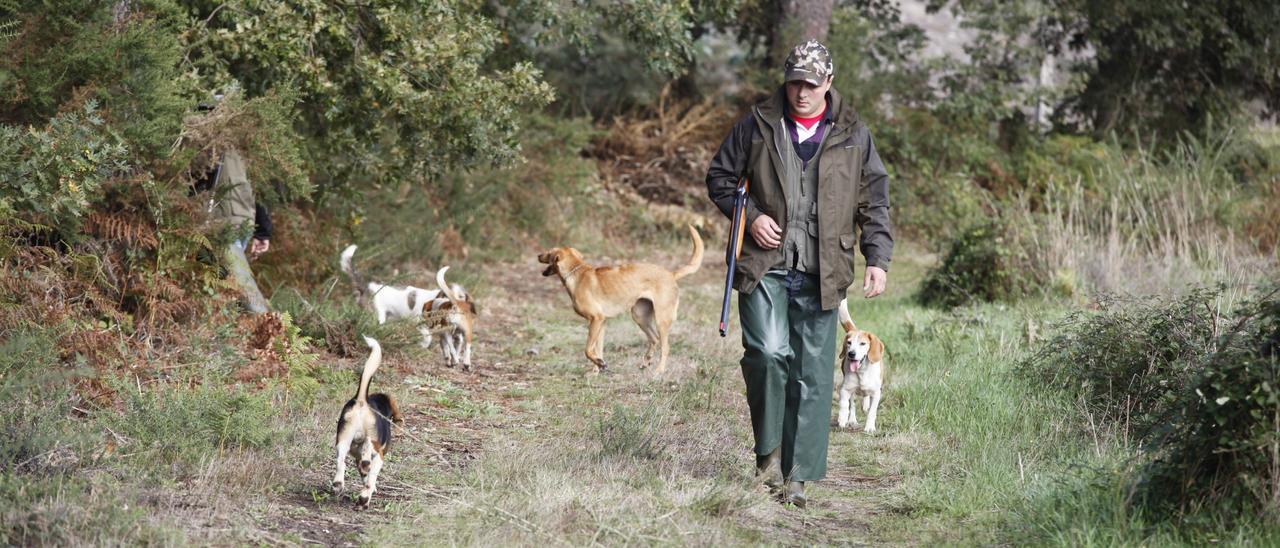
(800,20)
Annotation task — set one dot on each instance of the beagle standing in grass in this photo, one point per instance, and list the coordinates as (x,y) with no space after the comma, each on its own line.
(863,367)
(364,427)
(454,316)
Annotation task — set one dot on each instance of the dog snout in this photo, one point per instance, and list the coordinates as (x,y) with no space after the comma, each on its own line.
(550,258)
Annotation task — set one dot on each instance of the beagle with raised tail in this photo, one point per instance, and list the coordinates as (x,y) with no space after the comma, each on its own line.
(364,428)
(454,316)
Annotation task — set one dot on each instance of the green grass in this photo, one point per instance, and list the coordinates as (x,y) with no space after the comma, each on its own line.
(530,449)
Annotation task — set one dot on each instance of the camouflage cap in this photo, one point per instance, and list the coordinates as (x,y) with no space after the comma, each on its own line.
(810,62)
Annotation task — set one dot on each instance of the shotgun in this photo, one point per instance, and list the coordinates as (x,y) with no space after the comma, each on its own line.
(736,232)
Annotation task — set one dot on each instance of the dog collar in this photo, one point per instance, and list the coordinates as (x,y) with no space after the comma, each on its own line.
(575,269)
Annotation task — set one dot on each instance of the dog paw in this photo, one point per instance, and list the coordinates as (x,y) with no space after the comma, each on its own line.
(869,429)
(363,504)
(338,486)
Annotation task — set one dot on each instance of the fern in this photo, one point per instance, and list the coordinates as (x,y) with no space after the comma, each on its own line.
(8,27)
(121,228)
(8,31)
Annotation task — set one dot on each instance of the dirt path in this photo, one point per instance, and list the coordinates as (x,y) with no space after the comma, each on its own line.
(584,478)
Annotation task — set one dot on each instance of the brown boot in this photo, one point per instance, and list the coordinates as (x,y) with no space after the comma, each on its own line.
(793,493)
(769,469)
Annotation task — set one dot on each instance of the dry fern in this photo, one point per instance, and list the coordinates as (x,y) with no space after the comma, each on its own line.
(118,227)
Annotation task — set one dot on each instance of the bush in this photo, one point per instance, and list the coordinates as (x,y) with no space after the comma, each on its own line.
(1128,361)
(35,437)
(57,171)
(988,262)
(1219,446)
(184,427)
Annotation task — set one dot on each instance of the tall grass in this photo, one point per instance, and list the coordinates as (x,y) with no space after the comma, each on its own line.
(1150,223)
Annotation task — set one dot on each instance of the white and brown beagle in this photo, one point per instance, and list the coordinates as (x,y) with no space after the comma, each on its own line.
(863,366)
(454,316)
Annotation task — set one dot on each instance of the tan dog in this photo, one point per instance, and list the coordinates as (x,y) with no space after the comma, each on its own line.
(454,317)
(599,293)
(863,366)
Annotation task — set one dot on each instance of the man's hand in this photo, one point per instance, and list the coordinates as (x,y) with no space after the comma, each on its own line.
(873,281)
(766,232)
(258,247)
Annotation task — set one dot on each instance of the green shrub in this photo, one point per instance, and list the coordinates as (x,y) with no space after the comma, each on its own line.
(35,436)
(55,173)
(1129,360)
(125,56)
(1219,443)
(184,427)
(987,262)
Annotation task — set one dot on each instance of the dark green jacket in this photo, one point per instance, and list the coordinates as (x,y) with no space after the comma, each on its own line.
(853,191)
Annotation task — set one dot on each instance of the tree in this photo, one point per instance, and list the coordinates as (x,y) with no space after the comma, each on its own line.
(389,90)
(1165,67)
(802,20)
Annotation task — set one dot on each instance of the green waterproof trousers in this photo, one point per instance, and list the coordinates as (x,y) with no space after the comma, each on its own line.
(250,296)
(788,363)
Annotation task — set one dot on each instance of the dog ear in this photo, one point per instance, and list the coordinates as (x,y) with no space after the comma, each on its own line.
(876,353)
(553,257)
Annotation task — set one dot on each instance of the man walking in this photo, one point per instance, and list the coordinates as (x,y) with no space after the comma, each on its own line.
(815,175)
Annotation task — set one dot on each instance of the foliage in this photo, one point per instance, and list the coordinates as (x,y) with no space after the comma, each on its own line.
(125,57)
(55,173)
(261,131)
(991,261)
(1167,67)
(1128,361)
(633,434)
(184,427)
(389,90)
(36,390)
(606,57)
(1218,445)
(337,322)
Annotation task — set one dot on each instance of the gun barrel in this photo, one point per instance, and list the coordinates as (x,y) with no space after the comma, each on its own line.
(736,231)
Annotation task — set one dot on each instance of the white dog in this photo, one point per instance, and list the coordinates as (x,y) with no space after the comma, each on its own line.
(390,301)
(863,366)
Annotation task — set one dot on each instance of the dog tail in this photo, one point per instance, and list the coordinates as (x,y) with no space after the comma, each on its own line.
(444,287)
(344,262)
(370,365)
(695,262)
(845,319)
